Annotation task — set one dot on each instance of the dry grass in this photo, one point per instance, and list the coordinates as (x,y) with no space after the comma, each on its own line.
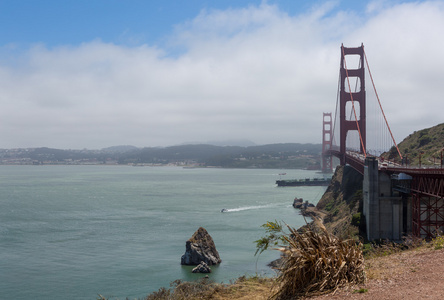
(388,265)
(314,262)
(317,262)
(243,288)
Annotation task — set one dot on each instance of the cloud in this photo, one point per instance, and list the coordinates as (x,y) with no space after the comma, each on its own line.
(255,73)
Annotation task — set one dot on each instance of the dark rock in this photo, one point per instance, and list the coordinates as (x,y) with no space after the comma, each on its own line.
(200,248)
(276,264)
(300,204)
(297,203)
(202,268)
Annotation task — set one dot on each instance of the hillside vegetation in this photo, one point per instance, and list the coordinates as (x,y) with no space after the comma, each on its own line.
(426,143)
(341,204)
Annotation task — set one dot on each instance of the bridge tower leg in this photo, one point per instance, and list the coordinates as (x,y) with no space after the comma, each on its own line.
(371,205)
(326,143)
(347,96)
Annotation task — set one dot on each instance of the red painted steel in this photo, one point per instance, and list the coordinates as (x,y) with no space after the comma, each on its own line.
(357,96)
(427,215)
(427,185)
(427,190)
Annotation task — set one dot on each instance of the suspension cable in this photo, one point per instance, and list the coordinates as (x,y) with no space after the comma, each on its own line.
(337,104)
(377,97)
(353,103)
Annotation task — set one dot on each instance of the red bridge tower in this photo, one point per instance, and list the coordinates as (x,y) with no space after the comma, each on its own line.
(347,96)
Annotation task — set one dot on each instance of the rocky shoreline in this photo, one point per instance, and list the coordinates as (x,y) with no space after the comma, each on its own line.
(308,209)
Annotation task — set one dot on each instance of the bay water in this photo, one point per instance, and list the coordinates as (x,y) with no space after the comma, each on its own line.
(74,232)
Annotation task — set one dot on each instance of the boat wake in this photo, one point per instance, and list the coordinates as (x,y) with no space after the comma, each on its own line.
(225,210)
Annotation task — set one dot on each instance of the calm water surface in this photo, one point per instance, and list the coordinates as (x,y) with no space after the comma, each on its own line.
(73,232)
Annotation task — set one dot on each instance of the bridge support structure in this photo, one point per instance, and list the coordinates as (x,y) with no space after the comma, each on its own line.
(428,216)
(393,204)
(327,130)
(428,205)
(371,201)
(386,214)
(352,97)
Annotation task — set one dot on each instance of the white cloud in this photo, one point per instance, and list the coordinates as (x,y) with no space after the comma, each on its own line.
(254,73)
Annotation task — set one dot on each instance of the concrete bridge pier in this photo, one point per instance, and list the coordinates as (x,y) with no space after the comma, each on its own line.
(387,213)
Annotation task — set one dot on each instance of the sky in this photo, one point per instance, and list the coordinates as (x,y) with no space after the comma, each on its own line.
(93,74)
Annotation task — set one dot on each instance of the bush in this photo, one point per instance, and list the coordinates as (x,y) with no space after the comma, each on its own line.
(274,236)
(201,289)
(316,262)
(207,289)
(356,219)
(384,247)
(438,242)
(424,140)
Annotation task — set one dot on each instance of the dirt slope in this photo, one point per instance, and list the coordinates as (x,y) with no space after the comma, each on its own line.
(416,274)
(413,275)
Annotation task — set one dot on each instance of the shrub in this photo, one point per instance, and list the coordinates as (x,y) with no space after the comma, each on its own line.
(274,236)
(317,262)
(206,289)
(161,294)
(356,219)
(438,242)
(424,140)
(382,248)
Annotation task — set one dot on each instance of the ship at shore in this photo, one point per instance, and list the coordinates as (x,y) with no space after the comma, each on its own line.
(304,182)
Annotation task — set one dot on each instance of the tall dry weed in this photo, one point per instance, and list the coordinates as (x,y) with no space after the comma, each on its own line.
(317,262)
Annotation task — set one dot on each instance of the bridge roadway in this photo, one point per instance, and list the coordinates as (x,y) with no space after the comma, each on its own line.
(425,185)
(419,191)
(428,181)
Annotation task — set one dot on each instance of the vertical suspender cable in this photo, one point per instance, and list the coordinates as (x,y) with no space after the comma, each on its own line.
(336,109)
(377,97)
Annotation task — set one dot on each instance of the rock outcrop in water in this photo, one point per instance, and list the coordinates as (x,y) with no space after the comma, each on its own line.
(200,248)
(307,209)
(297,203)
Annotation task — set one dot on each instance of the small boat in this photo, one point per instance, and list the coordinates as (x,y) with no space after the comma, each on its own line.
(224,210)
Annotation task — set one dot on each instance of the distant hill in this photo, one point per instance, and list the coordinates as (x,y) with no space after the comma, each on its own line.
(223,143)
(120,149)
(428,142)
(291,155)
(242,143)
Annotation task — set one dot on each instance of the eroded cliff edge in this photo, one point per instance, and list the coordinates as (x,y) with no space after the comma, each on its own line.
(340,208)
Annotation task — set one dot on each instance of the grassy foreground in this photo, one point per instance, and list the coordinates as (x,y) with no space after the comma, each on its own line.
(314,262)
(376,267)
(331,274)
(254,287)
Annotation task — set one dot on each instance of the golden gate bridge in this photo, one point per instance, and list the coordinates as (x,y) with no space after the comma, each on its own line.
(414,200)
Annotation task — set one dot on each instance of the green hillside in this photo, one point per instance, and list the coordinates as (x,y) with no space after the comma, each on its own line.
(426,143)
